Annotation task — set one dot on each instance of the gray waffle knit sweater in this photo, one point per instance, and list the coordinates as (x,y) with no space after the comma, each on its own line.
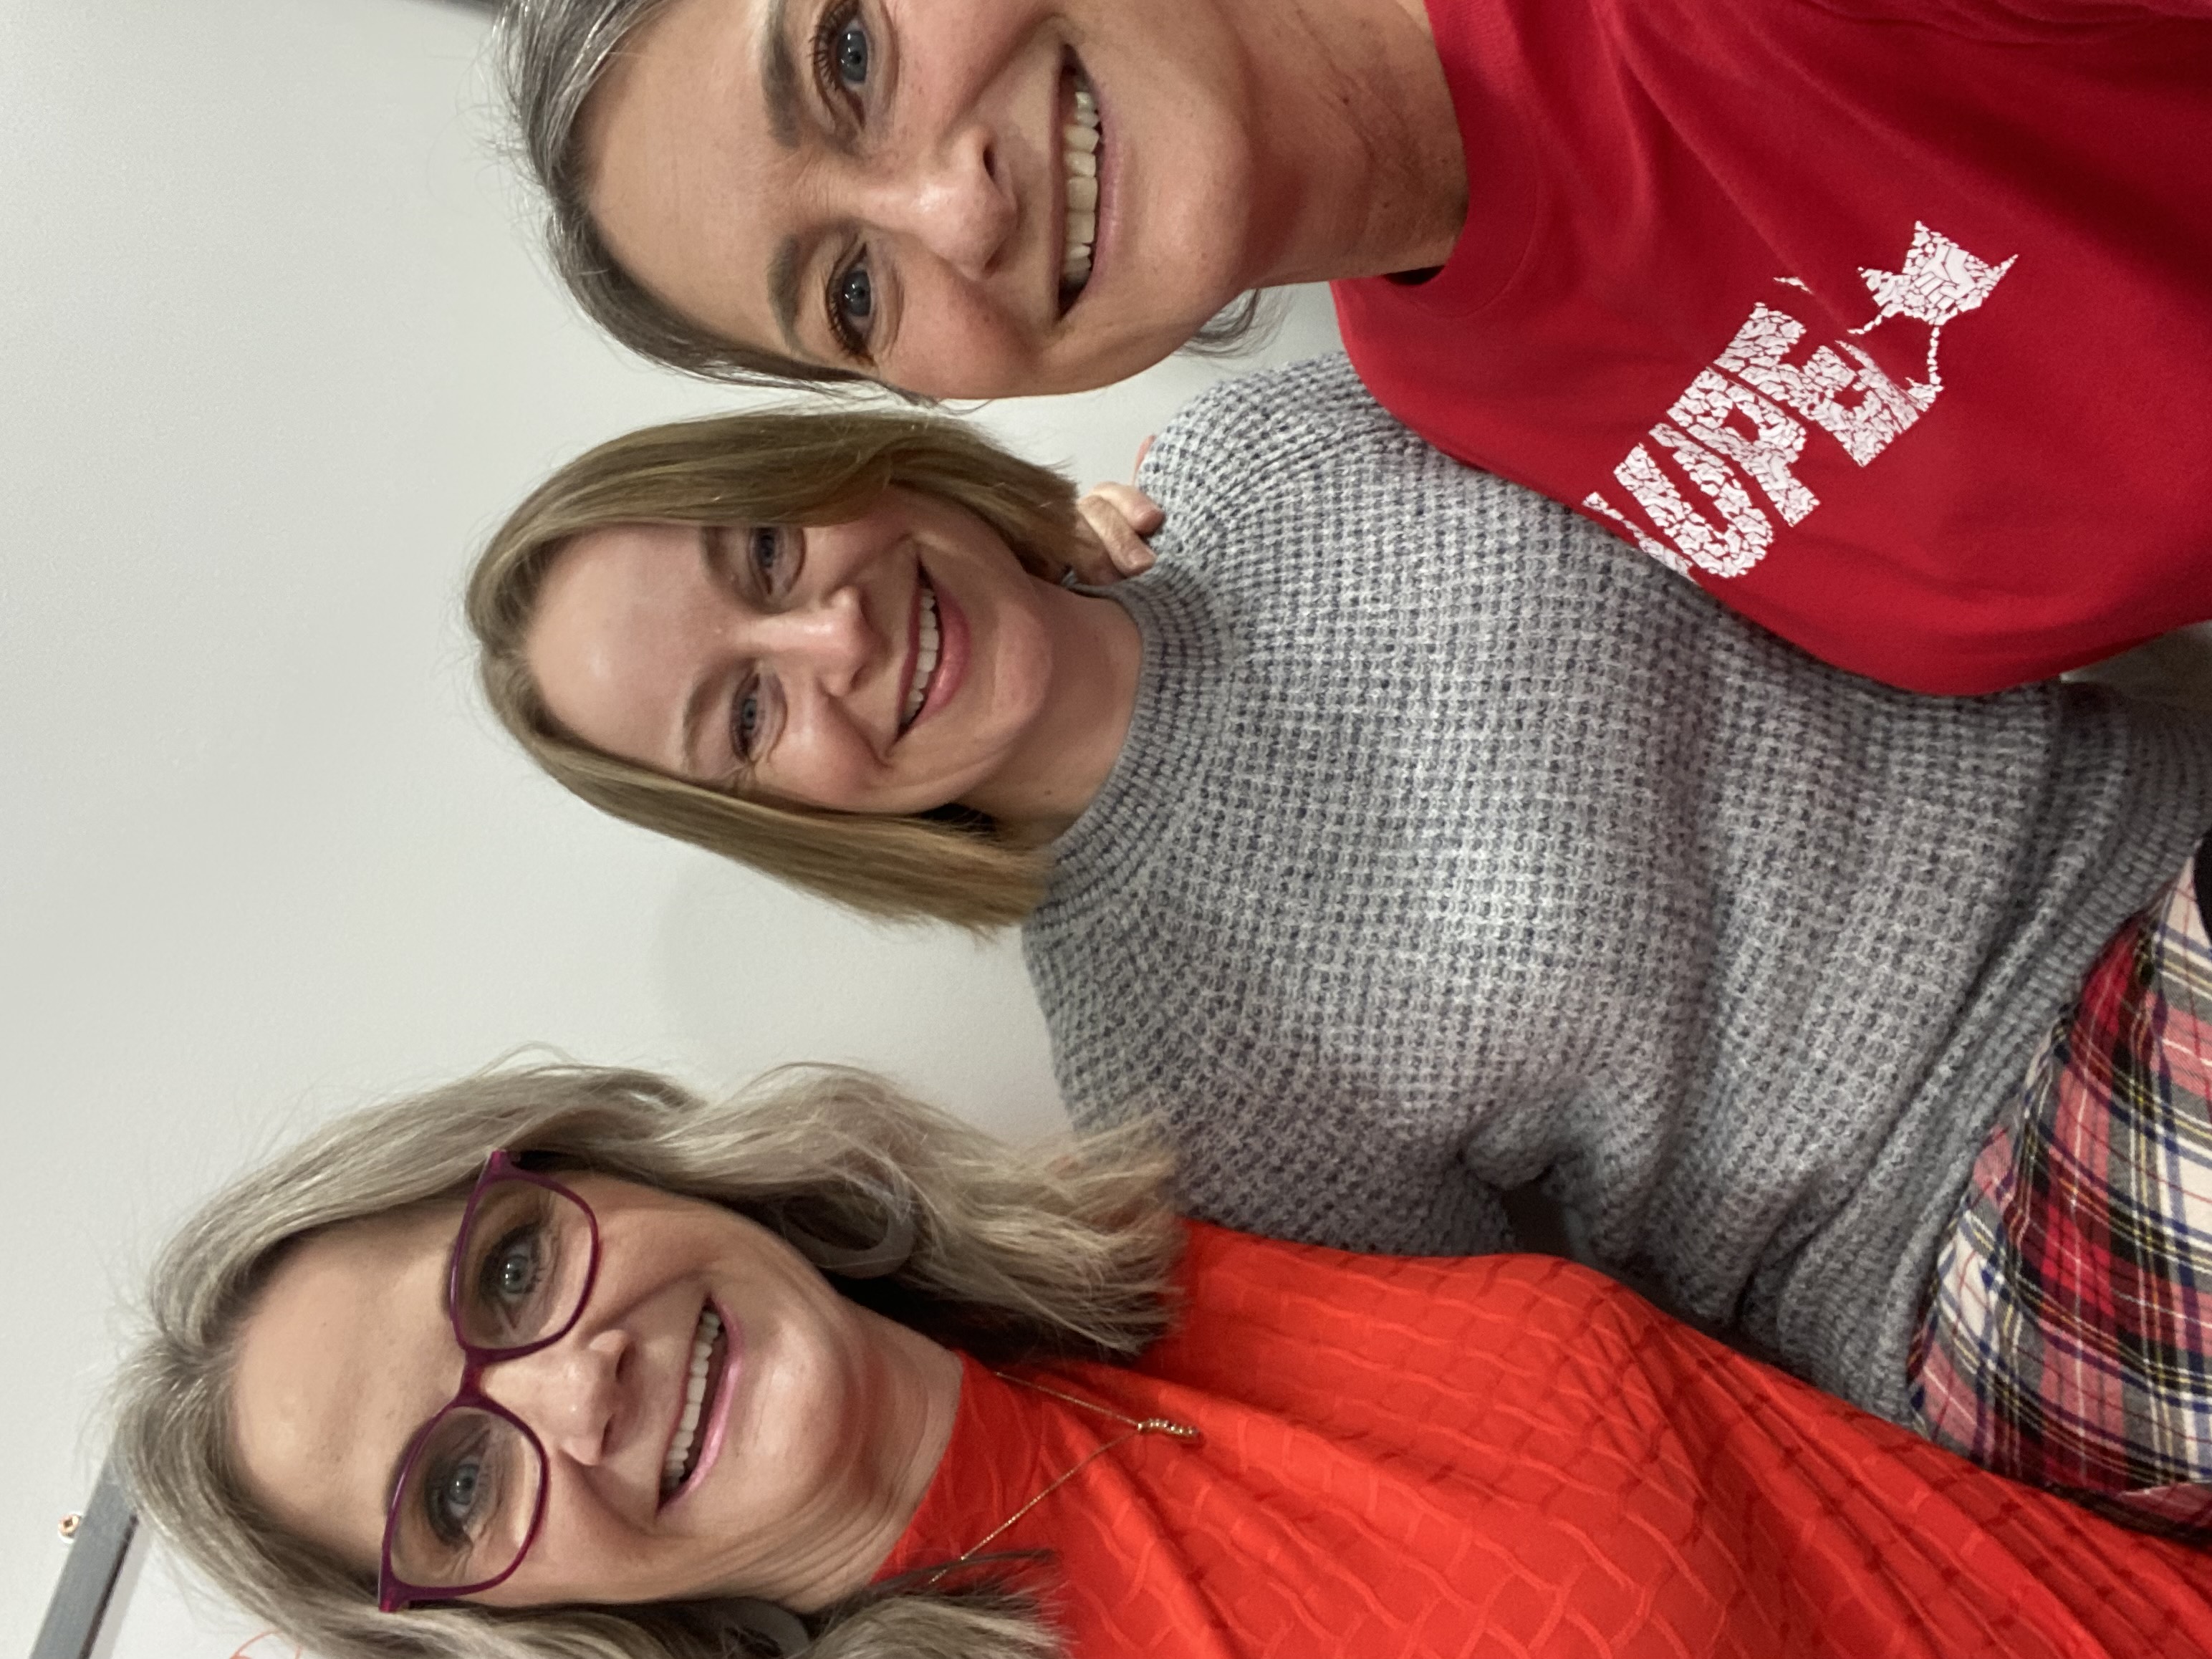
(1455,844)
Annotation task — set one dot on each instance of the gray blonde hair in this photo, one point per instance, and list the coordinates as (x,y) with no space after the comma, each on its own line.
(1014,1255)
(553,56)
(770,467)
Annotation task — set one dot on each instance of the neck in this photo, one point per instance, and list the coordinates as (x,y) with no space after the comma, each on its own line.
(1365,174)
(1064,759)
(912,1390)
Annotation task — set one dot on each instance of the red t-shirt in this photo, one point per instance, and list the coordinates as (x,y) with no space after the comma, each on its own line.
(1512,1456)
(1887,321)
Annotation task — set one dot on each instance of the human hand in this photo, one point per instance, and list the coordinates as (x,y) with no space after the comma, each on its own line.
(1117,517)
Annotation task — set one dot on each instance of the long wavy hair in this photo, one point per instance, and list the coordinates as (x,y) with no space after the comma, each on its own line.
(1014,1255)
(777,466)
(553,55)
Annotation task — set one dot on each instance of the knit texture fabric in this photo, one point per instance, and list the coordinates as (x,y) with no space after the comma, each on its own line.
(1510,1459)
(1454,845)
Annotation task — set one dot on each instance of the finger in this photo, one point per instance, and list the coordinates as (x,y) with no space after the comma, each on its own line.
(1144,513)
(1122,517)
(1143,450)
(1123,545)
(1089,561)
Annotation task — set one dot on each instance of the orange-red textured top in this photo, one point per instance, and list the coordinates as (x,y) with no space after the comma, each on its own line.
(1513,1455)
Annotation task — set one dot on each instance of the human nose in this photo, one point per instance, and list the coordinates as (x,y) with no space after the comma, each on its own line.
(955,200)
(570,1394)
(828,637)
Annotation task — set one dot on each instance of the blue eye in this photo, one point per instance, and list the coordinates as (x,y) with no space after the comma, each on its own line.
(459,1491)
(745,719)
(455,1494)
(843,56)
(850,51)
(852,305)
(766,551)
(511,1270)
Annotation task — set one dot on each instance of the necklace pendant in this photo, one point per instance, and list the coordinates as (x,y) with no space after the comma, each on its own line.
(1136,1429)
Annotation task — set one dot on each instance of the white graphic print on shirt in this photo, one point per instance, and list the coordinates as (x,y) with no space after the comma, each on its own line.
(1732,425)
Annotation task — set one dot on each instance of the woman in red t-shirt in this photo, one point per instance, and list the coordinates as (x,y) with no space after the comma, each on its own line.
(1884,320)
(825,1372)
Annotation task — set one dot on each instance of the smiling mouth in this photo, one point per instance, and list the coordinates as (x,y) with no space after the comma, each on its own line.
(1080,156)
(710,1352)
(925,650)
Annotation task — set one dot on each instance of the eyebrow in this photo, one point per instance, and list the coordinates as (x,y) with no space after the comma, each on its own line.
(783,293)
(780,78)
(398,1468)
(780,93)
(407,1447)
(715,554)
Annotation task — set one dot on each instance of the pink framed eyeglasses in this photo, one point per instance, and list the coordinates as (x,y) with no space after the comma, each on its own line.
(470,1494)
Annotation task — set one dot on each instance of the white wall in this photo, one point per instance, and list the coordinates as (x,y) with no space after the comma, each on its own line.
(276,354)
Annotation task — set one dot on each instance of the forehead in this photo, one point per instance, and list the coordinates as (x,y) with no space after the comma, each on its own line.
(676,135)
(346,1353)
(681,45)
(620,575)
(619,629)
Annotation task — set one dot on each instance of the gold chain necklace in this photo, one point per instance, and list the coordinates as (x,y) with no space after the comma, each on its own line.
(1137,1426)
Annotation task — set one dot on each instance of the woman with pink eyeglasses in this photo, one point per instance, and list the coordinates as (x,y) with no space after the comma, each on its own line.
(569,1362)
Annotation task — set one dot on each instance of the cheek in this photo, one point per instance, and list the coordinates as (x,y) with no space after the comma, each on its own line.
(613,680)
(582,1553)
(953,343)
(1114,346)
(823,765)
(1021,663)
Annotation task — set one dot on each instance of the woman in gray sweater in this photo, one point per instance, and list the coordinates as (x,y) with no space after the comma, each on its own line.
(1397,847)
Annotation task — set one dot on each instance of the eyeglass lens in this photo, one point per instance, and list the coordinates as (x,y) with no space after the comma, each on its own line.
(465,1510)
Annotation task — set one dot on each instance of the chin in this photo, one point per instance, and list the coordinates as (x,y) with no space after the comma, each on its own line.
(1112,347)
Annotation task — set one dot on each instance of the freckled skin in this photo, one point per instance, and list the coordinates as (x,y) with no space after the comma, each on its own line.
(1246,143)
(632,621)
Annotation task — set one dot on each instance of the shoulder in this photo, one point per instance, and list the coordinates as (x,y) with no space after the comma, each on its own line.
(1244,1299)
(1318,398)
(1303,456)
(1309,418)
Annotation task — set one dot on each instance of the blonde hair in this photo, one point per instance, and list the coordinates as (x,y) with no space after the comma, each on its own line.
(1014,1254)
(769,467)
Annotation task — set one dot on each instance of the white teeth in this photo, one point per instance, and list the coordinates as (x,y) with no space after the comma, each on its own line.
(1079,151)
(925,657)
(694,1401)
